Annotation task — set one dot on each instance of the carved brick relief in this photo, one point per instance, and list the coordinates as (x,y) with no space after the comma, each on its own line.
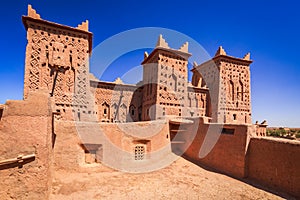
(57,60)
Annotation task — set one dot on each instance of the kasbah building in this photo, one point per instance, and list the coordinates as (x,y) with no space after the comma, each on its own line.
(70,120)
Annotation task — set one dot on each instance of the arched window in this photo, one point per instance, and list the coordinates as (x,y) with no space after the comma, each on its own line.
(105,110)
(132,110)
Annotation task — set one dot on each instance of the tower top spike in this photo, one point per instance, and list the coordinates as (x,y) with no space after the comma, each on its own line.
(146,54)
(220,51)
(247,56)
(161,42)
(84,26)
(32,12)
(195,64)
(184,47)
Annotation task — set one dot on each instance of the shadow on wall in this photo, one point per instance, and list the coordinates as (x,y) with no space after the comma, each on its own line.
(1,112)
(135,107)
(245,180)
(271,165)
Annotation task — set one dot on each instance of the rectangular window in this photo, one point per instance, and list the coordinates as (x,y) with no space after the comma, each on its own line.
(228,131)
(139,152)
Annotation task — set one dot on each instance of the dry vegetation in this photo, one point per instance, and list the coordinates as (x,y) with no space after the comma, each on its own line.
(288,133)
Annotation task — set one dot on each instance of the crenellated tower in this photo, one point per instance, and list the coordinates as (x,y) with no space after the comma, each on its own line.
(228,80)
(165,78)
(57,62)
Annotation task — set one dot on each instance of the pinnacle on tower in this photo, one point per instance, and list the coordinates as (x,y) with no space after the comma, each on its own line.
(247,56)
(161,42)
(118,81)
(220,51)
(195,64)
(184,47)
(84,26)
(32,13)
(146,54)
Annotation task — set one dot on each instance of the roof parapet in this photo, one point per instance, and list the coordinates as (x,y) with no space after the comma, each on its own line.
(161,42)
(84,26)
(32,12)
(220,51)
(247,56)
(184,47)
(118,81)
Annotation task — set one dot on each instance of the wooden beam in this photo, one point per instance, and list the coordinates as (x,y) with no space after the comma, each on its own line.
(19,159)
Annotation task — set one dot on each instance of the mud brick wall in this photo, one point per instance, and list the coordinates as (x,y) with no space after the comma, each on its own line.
(222,151)
(275,163)
(25,128)
(112,142)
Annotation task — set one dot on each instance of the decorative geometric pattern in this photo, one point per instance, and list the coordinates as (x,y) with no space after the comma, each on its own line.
(57,62)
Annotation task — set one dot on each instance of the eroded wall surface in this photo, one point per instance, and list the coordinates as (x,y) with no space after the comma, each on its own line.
(25,129)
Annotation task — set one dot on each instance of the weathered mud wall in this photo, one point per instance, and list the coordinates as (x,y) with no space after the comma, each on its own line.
(25,128)
(219,147)
(82,146)
(275,163)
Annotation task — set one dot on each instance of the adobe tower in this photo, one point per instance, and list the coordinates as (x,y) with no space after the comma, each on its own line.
(228,79)
(165,75)
(57,62)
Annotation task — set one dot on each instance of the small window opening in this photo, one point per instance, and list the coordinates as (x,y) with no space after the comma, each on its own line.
(228,131)
(1,113)
(139,152)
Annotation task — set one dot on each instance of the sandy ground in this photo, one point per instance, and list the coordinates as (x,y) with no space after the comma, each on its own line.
(180,180)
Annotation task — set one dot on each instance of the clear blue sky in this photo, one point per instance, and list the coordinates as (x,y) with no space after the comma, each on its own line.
(270,30)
